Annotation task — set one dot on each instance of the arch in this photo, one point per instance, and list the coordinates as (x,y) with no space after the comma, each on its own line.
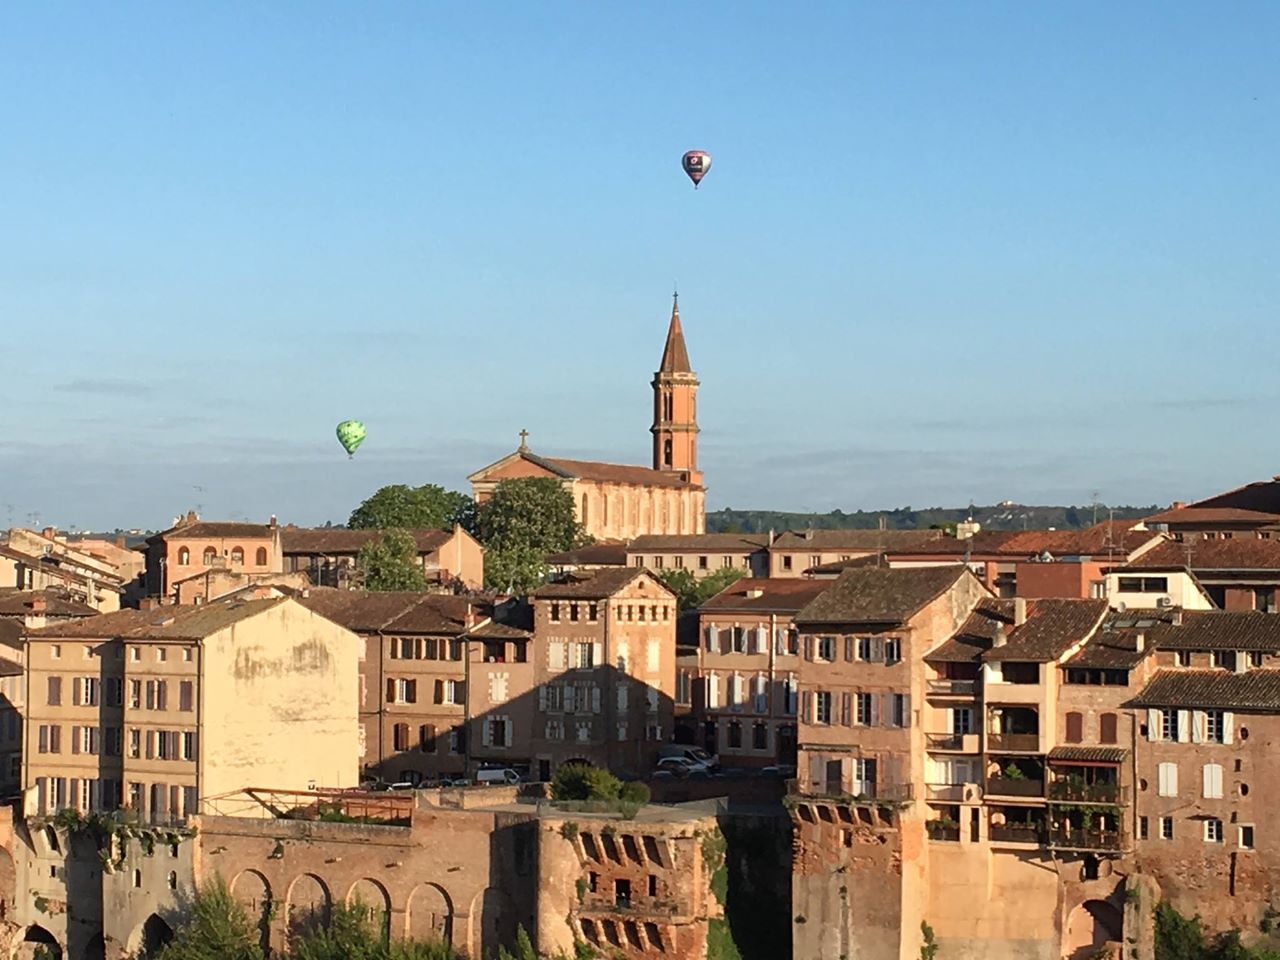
(430,913)
(1089,926)
(307,904)
(210,555)
(237,555)
(252,891)
(96,948)
(8,885)
(374,899)
(493,922)
(37,938)
(184,556)
(260,557)
(149,937)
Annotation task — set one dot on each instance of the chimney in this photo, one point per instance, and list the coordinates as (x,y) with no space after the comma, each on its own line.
(469,620)
(191,516)
(49,533)
(1178,505)
(120,542)
(771,536)
(1019,611)
(274,522)
(148,603)
(39,604)
(1000,638)
(808,534)
(1140,642)
(1177,617)
(754,593)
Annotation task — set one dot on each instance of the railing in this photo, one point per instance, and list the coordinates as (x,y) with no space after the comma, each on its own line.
(953,688)
(1014,742)
(1082,839)
(953,792)
(1017,833)
(838,789)
(943,741)
(1087,792)
(942,830)
(1010,787)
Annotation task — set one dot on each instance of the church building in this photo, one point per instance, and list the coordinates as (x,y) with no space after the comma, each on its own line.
(618,501)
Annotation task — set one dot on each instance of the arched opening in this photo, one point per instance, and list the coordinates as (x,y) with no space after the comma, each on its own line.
(149,939)
(260,558)
(210,555)
(96,948)
(237,556)
(184,556)
(307,906)
(430,914)
(493,921)
(371,896)
(251,891)
(8,885)
(1090,926)
(37,944)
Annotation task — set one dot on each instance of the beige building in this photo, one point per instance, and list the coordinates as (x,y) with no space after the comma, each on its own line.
(794,552)
(702,554)
(619,502)
(160,710)
(46,561)
(450,559)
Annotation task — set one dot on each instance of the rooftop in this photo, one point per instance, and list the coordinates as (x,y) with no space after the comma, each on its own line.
(1052,627)
(1252,503)
(695,542)
(159,623)
(833,540)
(1219,630)
(778,595)
(20,603)
(336,540)
(403,612)
(1257,690)
(1238,553)
(595,554)
(589,584)
(878,595)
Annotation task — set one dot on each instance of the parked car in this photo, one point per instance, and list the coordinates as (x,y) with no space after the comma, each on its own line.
(681,768)
(696,754)
(496,776)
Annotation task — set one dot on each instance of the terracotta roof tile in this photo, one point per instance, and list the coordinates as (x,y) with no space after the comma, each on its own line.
(335,540)
(589,584)
(18,603)
(694,542)
(1084,754)
(975,635)
(1111,650)
(1053,627)
(206,529)
(1219,630)
(1256,690)
(159,623)
(365,611)
(828,540)
(595,554)
(982,542)
(1238,553)
(620,473)
(878,595)
(675,356)
(777,595)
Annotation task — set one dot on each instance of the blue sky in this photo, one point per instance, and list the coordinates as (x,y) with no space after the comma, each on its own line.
(946,251)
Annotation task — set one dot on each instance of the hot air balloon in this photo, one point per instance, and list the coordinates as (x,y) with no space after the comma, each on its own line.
(696,163)
(351,434)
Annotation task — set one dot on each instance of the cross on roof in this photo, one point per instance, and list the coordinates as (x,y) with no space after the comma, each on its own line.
(524,439)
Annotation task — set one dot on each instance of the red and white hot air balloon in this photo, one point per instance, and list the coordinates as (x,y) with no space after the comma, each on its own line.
(696,163)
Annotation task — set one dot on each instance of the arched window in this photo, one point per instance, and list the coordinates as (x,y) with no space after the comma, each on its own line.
(237,555)
(584,509)
(210,555)
(184,556)
(1075,727)
(261,557)
(666,453)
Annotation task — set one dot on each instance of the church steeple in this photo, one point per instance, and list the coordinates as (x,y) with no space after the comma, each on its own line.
(675,417)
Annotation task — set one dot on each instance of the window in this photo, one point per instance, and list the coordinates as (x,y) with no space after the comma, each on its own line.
(554,613)
(684,687)
(786,563)
(659,562)
(87,690)
(702,563)
(735,734)
(639,561)
(827,648)
(1075,727)
(188,745)
(593,612)
(901,710)
(864,648)
(1212,781)
(457,739)
(1184,658)
(134,654)
(260,558)
(400,736)
(161,655)
(237,556)
(679,562)
(726,561)
(210,555)
(55,691)
(1166,828)
(451,691)
(1255,659)
(1144,828)
(55,652)
(184,556)
(1144,584)
(822,707)
(135,743)
(497,732)
(1107,728)
(1169,724)
(585,656)
(862,710)
(961,721)
(1214,726)
(1168,780)
(135,694)
(1246,836)
(892,650)
(1213,831)
(1264,599)
(402,691)
(1224,659)
(760,736)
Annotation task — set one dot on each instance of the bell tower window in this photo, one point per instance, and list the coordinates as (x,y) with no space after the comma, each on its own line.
(666,453)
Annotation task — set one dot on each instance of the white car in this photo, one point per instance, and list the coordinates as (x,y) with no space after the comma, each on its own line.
(682,768)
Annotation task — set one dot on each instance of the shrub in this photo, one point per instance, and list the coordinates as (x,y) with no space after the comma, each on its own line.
(581,781)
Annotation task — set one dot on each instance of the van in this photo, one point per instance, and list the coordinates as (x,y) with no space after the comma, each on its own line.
(695,754)
(496,776)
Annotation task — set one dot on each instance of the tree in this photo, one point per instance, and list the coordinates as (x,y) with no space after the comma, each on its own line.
(582,781)
(691,592)
(415,508)
(218,928)
(390,563)
(524,521)
(353,935)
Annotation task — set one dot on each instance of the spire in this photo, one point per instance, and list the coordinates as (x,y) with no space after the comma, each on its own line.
(675,356)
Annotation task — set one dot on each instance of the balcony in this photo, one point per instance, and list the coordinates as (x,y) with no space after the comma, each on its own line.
(1015,787)
(1017,833)
(1109,793)
(1078,838)
(1014,742)
(953,688)
(943,830)
(951,742)
(953,792)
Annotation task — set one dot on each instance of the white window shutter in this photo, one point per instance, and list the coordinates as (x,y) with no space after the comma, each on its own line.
(507,729)
(622,696)
(597,653)
(712,645)
(542,697)
(595,699)
(1153,724)
(1228,726)
(1184,726)
(555,654)
(1197,726)
(485,734)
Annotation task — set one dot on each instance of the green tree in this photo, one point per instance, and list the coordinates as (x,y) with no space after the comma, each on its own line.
(691,592)
(523,522)
(582,781)
(390,563)
(218,928)
(415,508)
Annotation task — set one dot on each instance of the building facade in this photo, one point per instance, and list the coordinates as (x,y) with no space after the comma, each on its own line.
(192,546)
(450,559)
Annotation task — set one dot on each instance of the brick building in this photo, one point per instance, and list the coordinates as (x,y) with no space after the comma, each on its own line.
(448,558)
(701,554)
(193,545)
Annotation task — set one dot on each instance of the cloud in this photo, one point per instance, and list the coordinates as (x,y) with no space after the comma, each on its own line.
(106,387)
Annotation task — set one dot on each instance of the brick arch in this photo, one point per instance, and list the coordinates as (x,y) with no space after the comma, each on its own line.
(252,891)
(307,904)
(492,922)
(373,896)
(430,913)
(33,938)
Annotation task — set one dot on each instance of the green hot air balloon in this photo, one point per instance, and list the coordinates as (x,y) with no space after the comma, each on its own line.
(351,434)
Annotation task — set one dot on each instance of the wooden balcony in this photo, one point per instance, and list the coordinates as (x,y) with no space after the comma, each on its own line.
(953,688)
(1017,833)
(1077,838)
(1014,742)
(1015,787)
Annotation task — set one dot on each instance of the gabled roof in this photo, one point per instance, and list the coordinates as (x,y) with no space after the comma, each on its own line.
(1052,627)
(1108,538)
(1111,650)
(402,612)
(982,542)
(1252,503)
(595,554)
(1219,630)
(829,540)
(214,529)
(19,603)
(159,623)
(1256,690)
(765,595)
(975,636)
(675,356)
(1238,553)
(592,470)
(591,584)
(879,595)
(695,542)
(335,540)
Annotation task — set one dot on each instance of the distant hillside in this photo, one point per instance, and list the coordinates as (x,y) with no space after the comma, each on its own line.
(999,517)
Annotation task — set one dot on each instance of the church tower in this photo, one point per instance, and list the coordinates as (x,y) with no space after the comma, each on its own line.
(675,408)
